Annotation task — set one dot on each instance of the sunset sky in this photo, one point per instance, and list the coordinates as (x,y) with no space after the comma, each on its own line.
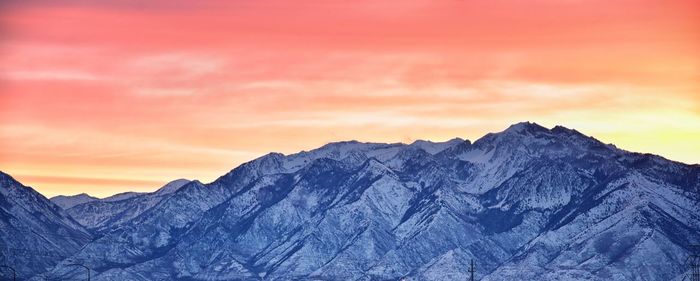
(111,96)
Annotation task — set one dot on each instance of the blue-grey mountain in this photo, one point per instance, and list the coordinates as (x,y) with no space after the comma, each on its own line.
(526,203)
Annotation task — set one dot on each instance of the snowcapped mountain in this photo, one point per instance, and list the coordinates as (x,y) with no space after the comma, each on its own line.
(35,234)
(526,203)
(100,215)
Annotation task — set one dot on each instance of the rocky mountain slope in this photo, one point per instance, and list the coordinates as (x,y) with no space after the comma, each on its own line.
(35,234)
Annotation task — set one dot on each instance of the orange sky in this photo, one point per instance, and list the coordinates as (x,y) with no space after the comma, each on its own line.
(126,95)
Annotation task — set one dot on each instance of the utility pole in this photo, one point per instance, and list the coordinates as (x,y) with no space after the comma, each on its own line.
(14,273)
(471,271)
(694,264)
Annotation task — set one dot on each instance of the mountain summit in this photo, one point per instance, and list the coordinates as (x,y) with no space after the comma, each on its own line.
(526,203)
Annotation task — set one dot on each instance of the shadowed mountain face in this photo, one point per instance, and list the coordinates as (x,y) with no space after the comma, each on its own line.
(35,234)
(526,203)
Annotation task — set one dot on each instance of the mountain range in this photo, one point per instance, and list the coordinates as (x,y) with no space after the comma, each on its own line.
(527,203)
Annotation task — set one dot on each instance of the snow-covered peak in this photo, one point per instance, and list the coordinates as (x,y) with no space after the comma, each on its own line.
(533,138)
(338,150)
(121,196)
(526,127)
(6,182)
(268,162)
(172,186)
(436,147)
(559,129)
(68,201)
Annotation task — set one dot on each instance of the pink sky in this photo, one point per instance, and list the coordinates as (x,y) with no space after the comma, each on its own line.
(123,95)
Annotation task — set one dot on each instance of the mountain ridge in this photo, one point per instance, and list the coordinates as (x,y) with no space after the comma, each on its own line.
(525,202)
